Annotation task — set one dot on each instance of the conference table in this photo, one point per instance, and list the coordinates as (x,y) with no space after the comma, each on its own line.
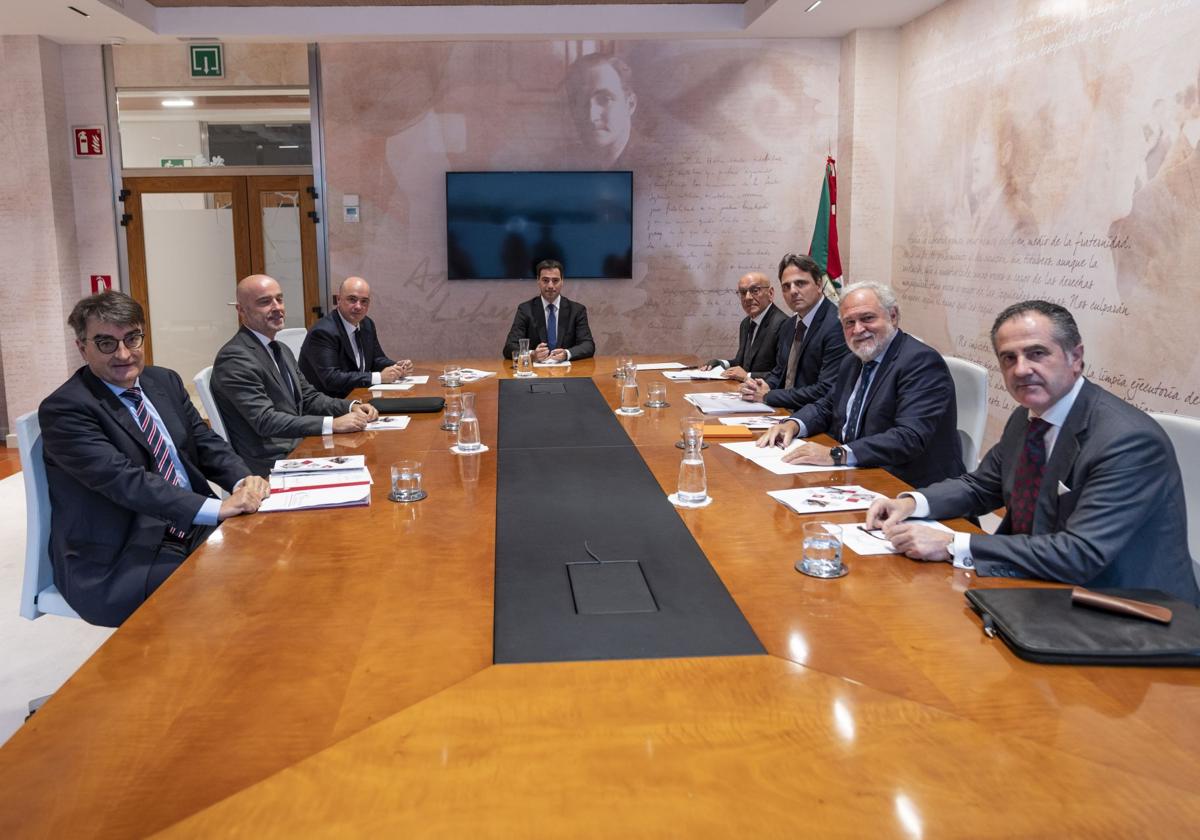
(330,672)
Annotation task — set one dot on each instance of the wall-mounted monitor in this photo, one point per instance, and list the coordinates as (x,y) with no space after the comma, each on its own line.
(500,224)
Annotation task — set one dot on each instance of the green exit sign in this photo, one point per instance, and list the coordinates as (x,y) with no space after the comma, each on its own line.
(207,61)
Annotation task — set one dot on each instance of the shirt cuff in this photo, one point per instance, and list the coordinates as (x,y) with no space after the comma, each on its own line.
(376,378)
(803,429)
(207,515)
(568,352)
(326,425)
(961,550)
(851,461)
(921,511)
(723,363)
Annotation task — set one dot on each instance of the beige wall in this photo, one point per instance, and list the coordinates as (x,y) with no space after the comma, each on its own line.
(1055,155)
(728,149)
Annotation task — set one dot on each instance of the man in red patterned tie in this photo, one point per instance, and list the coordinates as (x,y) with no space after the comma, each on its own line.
(1091,483)
(128,461)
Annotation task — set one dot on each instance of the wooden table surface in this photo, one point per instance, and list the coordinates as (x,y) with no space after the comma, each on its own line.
(329,672)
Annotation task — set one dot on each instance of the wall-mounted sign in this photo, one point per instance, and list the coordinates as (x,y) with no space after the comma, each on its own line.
(88,141)
(174,163)
(100,282)
(207,61)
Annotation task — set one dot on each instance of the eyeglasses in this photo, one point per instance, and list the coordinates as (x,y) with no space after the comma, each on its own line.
(751,290)
(107,345)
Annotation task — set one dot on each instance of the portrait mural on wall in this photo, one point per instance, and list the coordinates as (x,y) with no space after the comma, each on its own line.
(726,142)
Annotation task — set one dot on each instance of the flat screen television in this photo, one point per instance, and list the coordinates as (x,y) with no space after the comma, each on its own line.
(499,225)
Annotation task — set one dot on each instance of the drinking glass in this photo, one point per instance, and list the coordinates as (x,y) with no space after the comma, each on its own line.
(691,431)
(468,426)
(822,551)
(656,395)
(522,345)
(693,479)
(525,363)
(516,354)
(453,410)
(623,362)
(406,481)
(452,376)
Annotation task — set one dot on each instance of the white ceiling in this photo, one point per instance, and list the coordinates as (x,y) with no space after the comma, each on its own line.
(136,21)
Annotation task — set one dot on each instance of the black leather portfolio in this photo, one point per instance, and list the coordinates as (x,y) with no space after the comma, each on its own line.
(408,405)
(1042,625)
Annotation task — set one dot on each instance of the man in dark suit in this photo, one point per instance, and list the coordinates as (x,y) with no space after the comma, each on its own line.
(1091,484)
(892,405)
(571,338)
(128,461)
(341,352)
(810,349)
(758,333)
(266,403)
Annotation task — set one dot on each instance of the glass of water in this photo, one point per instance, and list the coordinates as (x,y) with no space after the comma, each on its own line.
(693,479)
(452,376)
(629,393)
(656,395)
(406,481)
(822,553)
(453,410)
(525,363)
(691,431)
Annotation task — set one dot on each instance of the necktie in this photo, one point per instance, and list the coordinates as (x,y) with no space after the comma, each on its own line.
(789,379)
(860,399)
(283,371)
(551,327)
(1027,483)
(362,349)
(158,445)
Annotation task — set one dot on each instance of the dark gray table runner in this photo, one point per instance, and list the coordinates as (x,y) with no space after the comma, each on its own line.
(569,479)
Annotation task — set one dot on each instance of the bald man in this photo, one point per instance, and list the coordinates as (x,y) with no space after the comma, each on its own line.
(267,404)
(758,333)
(341,352)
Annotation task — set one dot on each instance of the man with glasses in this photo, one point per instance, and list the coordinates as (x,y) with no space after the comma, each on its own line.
(758,333)
(810,348)
(128,461)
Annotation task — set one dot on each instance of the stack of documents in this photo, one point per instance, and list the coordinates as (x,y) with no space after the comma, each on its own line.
(389,421)
(660,366)
(303,483)
(468,375)
(404,384)
(552,363)
(863,542)
(726,402)
(825,499)
(771,457)
(754,422)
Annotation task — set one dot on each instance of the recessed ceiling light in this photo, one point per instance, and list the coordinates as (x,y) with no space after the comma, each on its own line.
(813,6)
(177,103)
(289,147)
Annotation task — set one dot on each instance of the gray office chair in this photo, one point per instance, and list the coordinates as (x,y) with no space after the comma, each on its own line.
(39,596)
(293,337)
(970,388)
(1184,433)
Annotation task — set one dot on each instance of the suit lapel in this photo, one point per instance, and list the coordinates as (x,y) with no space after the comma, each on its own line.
(539,319)
(117,410)
(886,371)
(166,410)
(268,359)
(1062,459)
(345,342)
(819,318)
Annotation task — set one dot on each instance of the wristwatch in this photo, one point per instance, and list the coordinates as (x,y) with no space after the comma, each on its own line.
(838,455)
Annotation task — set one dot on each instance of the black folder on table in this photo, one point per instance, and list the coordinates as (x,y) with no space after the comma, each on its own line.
(408,405)
(1042,625)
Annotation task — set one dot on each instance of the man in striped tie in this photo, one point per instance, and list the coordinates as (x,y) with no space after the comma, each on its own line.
(128,461)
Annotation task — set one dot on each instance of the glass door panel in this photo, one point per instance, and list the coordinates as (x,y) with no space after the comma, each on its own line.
(279,212)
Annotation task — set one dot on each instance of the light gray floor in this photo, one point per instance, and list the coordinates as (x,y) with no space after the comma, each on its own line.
(36,657)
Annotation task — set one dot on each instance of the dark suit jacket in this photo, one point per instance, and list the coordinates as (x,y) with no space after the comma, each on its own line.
(260,412)
(109,506)
(1119,522)
(909,421)
(574,335)
(327,357)
(821,355)
(758,359)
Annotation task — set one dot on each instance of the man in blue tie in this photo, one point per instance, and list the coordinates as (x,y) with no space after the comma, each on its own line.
(892,404)
(128,461)
(557,328)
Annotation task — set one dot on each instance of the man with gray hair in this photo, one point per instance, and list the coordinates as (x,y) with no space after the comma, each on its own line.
(892,404)
(1091,484)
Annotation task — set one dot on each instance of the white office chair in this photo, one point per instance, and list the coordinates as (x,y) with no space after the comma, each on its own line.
(203,381)
(293,337)
(38,593)
(970,388)
(1184,433)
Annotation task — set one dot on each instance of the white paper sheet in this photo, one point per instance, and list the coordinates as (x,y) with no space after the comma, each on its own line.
(694,374)
(285,483)
(725,402)
(291,466)
(395,386)
(659,366)
(341,496)
(867,543)
(771,458)
(825,499)
(389,421)
(551,364)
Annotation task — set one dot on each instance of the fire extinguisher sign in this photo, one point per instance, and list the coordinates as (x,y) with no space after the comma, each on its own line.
(88,141)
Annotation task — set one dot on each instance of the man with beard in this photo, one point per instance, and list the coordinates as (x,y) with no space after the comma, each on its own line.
(892,404)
